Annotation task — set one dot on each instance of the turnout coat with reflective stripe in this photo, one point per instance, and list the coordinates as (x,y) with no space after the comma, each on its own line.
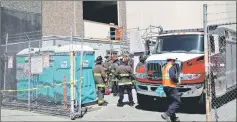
(99,75)
(124,72)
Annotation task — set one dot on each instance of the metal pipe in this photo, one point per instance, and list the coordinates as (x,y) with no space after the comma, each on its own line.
(29,74)
(6,60)
(71,72)
(206,62)
(81,74)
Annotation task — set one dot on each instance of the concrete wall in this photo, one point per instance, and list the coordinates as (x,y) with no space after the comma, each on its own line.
(122,20)
(57,17)
(24,5)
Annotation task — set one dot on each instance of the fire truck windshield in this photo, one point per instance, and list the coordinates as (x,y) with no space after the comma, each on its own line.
(180,44)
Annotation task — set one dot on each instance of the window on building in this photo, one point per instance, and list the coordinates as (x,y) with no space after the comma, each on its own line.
(101,11)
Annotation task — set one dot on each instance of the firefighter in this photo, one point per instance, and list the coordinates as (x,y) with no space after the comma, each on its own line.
(142,60)
(100,76)
(114,80)
(106,66)
(169,81)
(124,73)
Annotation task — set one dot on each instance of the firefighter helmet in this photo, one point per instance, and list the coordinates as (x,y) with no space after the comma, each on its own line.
(99,58)
(142,57)
(125,59)
(114,58)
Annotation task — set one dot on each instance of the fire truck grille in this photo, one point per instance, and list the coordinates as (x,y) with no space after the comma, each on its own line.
(154,71)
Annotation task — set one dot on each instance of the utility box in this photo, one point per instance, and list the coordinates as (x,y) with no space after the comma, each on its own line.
(50,68)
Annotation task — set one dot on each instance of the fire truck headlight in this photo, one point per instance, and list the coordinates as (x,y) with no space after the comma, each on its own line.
(190,76)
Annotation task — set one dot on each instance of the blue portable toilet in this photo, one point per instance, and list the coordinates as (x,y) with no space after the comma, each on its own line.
(56,61)
(62,67)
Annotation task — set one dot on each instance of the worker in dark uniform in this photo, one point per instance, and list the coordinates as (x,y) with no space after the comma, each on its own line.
(169,82)
(142,60)
(120,60)
(124,73)
(114,80)
(100,76)
(106,66)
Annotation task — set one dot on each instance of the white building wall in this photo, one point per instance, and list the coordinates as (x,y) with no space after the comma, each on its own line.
(173,14)
(96,30)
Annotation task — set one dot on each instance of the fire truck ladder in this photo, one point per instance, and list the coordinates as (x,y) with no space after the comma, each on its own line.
(151,33)
(124,45)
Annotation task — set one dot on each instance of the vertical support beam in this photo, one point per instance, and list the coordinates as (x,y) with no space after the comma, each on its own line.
(206,55)
(72,74)
(122,18)
(29,70)
(1,55)
(6,60)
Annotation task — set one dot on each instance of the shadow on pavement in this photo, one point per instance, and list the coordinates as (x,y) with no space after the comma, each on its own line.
(228,97)
(187,107)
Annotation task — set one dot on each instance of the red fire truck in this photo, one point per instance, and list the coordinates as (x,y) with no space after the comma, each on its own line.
(188,47)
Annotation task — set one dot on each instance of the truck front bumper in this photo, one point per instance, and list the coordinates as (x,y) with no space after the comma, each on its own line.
(156,90)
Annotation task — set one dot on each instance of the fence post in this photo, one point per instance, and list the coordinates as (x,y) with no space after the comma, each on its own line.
(6,60)
(29,70)
(206,62)
(71,75)
(81,75)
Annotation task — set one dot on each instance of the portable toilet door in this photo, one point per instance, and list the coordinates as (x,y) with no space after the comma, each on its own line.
(62,62)
(46,92)
(88,83)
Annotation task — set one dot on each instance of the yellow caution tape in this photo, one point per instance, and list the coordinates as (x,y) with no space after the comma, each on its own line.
(40,87)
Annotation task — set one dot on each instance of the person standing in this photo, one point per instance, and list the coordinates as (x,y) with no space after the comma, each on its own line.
(114,80)
(142,60)
(124,73)
(100,76)
(169,82)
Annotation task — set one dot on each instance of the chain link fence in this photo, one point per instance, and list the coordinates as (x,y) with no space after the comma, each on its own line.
(221,81)
(44,74)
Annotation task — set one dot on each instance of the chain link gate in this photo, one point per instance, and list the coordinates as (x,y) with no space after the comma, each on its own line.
(221,62)
(34,81)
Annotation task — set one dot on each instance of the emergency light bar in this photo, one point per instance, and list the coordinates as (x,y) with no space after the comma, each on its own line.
(183,30)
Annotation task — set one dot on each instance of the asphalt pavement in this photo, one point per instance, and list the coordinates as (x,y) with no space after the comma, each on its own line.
(110,113)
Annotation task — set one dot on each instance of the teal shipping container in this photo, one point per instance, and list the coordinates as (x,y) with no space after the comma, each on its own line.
(50,68)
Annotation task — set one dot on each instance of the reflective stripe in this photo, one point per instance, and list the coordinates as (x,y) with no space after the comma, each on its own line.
(166,81)
(125,83)
(97,74)
(100,101)
(123,75)
(100,85)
